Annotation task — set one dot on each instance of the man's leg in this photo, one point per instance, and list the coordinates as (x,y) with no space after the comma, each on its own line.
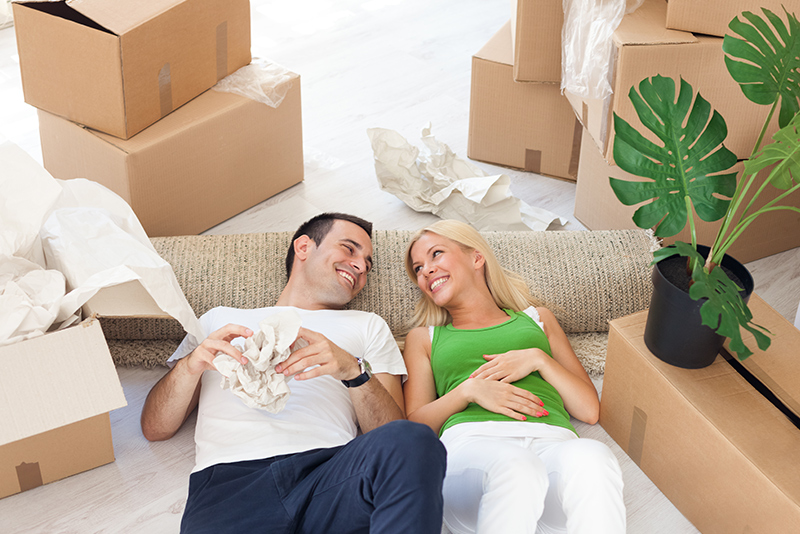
(385,481)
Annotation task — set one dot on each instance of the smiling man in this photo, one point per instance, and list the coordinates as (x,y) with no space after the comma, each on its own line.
(306,469)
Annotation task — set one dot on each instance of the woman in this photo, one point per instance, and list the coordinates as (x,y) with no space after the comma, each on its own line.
(498,379)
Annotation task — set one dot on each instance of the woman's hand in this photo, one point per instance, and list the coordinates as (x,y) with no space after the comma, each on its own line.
(512,365)
(502,398)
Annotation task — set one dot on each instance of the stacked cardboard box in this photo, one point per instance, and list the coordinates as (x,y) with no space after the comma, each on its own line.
(123,90)
(524,124)
(727,457)
(713,17)
(644,47)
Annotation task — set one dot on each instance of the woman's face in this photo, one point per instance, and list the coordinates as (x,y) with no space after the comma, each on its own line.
(441,267)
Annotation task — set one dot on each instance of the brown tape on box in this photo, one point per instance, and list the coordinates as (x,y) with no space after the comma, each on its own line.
(636,440)
(222,50)
(29,476)
(575,158)
(533,160)
(165,90)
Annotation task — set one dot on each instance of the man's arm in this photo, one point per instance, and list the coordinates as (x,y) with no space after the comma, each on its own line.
(173,398)
(377,401)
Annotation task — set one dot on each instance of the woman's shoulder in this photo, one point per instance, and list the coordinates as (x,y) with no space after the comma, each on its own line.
(419,336)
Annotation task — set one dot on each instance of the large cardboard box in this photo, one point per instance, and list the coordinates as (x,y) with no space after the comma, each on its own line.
(726,457)
(521,125)
(642,48)
(57,390)
(209,160)
(713,16)
(120,65)
(536,40)
(597,208)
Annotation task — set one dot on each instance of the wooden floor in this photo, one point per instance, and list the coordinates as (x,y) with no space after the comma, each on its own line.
(395,64)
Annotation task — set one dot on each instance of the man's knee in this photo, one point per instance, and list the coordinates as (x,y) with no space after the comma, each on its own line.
(413,445)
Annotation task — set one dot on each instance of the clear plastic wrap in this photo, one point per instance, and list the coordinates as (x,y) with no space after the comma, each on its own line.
(261,80)
(586,44)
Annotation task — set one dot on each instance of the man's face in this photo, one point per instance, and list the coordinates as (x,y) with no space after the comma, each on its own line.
(337,267)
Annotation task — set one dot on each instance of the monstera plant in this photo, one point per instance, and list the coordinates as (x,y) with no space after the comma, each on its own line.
(690,170)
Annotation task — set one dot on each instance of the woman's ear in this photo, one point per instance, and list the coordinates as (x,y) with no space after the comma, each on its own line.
(478,260)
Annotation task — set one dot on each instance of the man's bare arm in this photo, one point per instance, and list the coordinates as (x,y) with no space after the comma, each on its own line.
(174,397)
(378,401)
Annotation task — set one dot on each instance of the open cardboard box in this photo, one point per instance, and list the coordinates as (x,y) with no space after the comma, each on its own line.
(713,444)
(597,208)
(56,391)
(209,160)
(536,40)
(643,48)
(526,126)
(712,18)
(120,65)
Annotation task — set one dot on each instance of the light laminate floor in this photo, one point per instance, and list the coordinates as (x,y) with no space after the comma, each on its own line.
(374,63)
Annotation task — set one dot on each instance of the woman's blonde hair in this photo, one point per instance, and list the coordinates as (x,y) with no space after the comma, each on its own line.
(507,288)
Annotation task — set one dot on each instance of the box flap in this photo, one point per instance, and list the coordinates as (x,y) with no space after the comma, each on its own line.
(120,16)
(129,299)
(645,26)
(499,48)
(56,379)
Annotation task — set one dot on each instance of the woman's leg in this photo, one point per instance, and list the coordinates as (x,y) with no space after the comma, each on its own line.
(492,485)
(585,488)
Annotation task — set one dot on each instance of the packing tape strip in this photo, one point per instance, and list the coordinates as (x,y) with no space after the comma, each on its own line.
(636,440)
(533,160)
(575,157)
(165,90)
(29,476)
(222,50)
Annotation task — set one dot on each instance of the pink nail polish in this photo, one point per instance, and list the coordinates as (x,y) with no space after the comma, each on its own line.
(546,412)
(524,418)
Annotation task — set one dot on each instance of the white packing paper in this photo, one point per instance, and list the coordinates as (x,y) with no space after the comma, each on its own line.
(62,241)
(256,382)
(451,187)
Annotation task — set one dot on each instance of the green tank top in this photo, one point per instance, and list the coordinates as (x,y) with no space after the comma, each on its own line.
(456,353)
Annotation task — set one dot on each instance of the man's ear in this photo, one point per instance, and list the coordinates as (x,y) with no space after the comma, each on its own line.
(302,246)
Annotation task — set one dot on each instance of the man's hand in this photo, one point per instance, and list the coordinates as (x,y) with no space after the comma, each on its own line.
(331,359)
(202,358)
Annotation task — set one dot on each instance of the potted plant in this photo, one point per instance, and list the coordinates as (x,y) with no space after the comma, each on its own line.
(690,171)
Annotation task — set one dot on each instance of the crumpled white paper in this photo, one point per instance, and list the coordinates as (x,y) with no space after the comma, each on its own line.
(61,241)
(261,80)
(256,382)
(451,187)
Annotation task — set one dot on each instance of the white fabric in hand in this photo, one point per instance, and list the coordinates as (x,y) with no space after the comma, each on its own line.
(256,382)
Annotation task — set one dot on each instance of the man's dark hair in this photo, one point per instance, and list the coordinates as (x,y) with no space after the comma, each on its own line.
(318,227)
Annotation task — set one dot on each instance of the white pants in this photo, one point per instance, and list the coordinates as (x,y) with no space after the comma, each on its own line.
(508,477)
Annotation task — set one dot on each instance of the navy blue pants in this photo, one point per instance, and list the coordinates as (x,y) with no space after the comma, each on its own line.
(387,480)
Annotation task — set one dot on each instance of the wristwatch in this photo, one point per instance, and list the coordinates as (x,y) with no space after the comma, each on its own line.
(366,374)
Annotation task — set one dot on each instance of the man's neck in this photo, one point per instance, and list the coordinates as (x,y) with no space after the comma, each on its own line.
(301,298)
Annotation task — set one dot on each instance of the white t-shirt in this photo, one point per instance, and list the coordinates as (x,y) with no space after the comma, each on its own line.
(319,412)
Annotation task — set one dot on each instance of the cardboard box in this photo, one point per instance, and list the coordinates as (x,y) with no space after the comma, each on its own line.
(597,208)
(57,390)
(521,125)
(120,65)
(643,48)
(209,160)
(536,40)
(726,457)
(713,16)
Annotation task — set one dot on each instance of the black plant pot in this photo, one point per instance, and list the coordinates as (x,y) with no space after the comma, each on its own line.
(674,331)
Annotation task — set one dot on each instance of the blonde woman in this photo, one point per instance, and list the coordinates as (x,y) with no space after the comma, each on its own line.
(496,377)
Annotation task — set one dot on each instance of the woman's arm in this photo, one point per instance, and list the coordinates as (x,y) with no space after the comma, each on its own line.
(563,371)
(423,406)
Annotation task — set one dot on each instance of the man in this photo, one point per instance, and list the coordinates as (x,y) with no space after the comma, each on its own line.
(303,469)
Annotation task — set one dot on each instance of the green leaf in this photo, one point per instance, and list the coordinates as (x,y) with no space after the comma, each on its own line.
(724,311)
(687,164)
(785,149)
(765,59)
